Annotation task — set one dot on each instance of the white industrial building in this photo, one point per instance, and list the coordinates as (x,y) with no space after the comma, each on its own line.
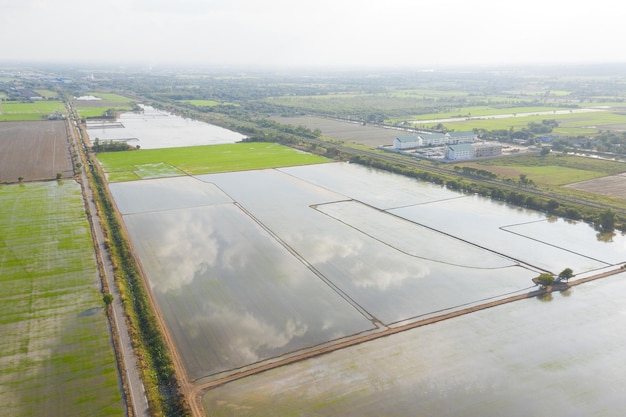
(407,142)
(433,139)
(473,150)
(461,151)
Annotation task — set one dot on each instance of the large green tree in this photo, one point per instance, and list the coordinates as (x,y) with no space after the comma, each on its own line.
(566,274)
(606,220)
(545,280)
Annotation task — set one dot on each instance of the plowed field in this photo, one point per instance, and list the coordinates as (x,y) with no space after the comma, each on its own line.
(614,185)
(35,151)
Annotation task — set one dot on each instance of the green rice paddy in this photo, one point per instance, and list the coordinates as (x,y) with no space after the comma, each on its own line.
(89,112)
(98,108)
(14,111)
(195,160)
(95,112)
(55,348)
(48,94)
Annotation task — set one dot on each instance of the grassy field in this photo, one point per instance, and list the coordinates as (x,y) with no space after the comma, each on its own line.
(98,111)
(478,111)
(551,170)
(569,123)
(47,94)
(97,108)
(14,111)
(413,105)
(55,348)
(194,160)
(369,135)
(91,112)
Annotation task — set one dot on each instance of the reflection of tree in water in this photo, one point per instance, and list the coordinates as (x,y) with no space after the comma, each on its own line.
(545,297)
(567,292)
(606,237)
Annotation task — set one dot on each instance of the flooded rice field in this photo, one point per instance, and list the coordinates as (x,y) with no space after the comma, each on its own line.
(250,266)
(562,356)
(153,129)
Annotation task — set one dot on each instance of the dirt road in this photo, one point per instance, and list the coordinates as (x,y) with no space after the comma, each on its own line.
(137,400)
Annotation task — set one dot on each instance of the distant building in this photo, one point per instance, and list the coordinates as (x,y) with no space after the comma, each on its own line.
(461,151)
(473,150)
(487,149)
(462,137)
(407,142)
(433,139)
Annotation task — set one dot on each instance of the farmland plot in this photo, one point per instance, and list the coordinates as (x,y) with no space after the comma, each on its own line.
(39,110)
(355,247)
(614,185)
(250,267)
(156,129)
(512,360)
(276,249)
(230,293)
(55,353)
(348,131)
(34,151)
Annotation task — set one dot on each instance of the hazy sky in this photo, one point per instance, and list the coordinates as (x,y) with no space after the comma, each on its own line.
(384,33)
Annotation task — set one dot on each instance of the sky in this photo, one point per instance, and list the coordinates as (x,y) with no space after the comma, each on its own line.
(318,33)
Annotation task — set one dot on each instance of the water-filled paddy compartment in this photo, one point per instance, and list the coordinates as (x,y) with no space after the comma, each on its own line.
(365,260)
(249,265)
(154,129)
(559,356)
(229,293)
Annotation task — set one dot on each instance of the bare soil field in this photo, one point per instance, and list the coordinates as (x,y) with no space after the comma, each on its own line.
(35,151)
(351,132)
(614,185)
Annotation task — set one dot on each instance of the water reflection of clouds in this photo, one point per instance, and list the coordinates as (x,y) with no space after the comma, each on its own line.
(378,268)
(248,337)
(253,333)
(411,238)
(233,291)
(165,194)
(327,247)
(364,277)
(182,246)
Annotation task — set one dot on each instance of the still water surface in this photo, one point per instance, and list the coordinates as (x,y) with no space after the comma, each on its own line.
(153,129)
(248,266)
(561,357)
